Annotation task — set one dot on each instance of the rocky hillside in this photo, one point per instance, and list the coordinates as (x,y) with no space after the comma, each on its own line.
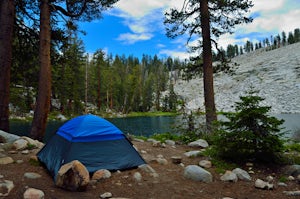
(275,74)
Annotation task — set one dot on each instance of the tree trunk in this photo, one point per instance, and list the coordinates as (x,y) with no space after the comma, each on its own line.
(210,109)
(39,122)
(7,10)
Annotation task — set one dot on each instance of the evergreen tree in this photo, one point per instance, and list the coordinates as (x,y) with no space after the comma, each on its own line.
(7,14)
(200,19)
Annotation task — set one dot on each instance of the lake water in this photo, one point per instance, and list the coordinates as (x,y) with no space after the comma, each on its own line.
(144,126)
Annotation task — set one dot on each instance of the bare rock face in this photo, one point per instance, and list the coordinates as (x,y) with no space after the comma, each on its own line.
(73,176)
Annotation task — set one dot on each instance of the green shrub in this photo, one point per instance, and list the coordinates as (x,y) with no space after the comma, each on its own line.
(249,133)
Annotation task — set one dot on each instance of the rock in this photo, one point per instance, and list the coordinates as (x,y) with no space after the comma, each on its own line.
(137,176)
(199,143)
(148,169)
(170,142)
(162,161)
(25,152)
(6,160)
(269,179)
(30,141)
(242,174)
(205,164)
(282,184)
(176,159)
(10,138)
(292,170)
(32,193)
(106,195)
(260,184)
(5,187)
(197,173)
(138,140)
(101,174)
(292,193)
(73,176)
(291,178)
(32,175)
(20,144)
(229,176)
(192,153)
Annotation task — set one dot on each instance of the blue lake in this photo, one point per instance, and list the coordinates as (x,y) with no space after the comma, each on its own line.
(144,126)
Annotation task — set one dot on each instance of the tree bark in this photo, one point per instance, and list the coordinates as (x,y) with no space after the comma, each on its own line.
(210,109)
(42,109)
(7,12)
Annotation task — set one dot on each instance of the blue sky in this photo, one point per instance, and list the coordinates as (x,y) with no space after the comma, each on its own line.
(135,27)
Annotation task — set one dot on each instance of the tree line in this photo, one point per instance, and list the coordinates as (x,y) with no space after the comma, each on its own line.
(45,22)
(97,82)
(270,43)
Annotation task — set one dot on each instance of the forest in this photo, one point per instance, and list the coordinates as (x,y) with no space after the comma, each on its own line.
(44,66)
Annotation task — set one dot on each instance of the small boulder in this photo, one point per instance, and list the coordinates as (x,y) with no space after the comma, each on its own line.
(106,195)
(6,160)
(197,173)
(199,143)
(260,184)
(10,138)
(292,170)
(5,187)
(73,176)
(242,174)
(176,159)
(32,193)
(20,144)
(170,142)
(229,176)
(32,175)
(205,164)
(192,153)
(101,174)
(137,176)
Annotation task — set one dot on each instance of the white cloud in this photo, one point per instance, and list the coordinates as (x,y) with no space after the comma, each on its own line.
(129,38)
(182,55)
(267,5)
(139,8)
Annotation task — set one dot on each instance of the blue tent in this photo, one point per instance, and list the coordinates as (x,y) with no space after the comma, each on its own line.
(92,140)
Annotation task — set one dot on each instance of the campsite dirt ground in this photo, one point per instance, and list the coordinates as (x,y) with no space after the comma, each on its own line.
(170,184)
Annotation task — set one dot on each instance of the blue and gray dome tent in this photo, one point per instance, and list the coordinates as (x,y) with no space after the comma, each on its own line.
(92,140)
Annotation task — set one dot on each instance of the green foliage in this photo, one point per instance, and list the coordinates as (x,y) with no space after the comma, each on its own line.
(293,147)
(249,133)
(162,137)
(188,129)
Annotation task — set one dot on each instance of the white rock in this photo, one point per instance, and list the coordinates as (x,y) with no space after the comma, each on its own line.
(263,185)
(106,195)
(20,144)
(137,176)
(192,153)
(6,160)
(162,161)
(269,179)
(5,187)
(73,176)
(197,173)
(242,174)
(229,176)
(10,138)
(205,164)
(292,193)
(170,142)
(199,143)
(32,175)
(32,193)
(101,174)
